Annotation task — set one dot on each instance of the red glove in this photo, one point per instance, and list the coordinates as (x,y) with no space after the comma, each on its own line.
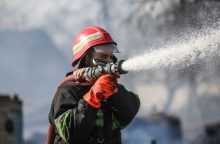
(103,88)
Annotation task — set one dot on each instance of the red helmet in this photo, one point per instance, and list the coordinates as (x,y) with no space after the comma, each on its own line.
(87,38)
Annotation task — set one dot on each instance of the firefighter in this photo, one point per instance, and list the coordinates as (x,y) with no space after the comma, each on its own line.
(91,111)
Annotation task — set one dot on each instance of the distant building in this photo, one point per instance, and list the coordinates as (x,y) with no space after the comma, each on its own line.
(156,128)
(11,120)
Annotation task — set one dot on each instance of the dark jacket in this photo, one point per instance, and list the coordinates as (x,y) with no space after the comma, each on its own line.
(76,122)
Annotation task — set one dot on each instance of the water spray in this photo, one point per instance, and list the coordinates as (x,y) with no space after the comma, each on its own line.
(200,47)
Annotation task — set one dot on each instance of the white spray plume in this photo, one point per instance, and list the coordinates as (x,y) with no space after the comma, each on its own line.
(199,48)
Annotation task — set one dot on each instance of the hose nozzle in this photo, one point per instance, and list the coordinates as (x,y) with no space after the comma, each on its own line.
(100,69)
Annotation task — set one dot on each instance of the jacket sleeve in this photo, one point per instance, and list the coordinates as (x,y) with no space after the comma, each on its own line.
(73,119)
(125,105)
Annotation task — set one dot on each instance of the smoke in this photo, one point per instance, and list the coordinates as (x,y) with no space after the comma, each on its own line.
(199,47)
(57,18)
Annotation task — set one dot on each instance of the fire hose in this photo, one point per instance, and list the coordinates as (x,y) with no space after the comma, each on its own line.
(101,68)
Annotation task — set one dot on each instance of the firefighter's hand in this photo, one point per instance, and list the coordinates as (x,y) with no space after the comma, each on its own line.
(106,86)
(103,88)
(78,74)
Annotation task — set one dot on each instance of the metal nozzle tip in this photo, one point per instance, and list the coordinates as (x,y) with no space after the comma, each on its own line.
(120,70)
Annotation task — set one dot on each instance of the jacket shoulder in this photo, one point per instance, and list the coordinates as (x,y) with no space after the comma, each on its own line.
(74,89)
(67,85)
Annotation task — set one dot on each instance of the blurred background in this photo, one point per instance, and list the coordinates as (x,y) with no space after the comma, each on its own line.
(36,52)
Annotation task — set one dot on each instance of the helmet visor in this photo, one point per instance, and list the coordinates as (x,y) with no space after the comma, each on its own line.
(109,48)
